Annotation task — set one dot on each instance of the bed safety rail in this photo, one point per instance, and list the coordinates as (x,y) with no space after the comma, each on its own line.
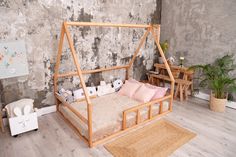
(82,118)
(138,108)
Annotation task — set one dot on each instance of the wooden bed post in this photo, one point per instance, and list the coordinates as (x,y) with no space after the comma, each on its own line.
(58,62)
(79,72)
(156,38)
(127,73)
(139,47)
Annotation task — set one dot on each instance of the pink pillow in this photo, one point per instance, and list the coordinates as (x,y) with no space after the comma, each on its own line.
(134,81)
(129,88)
(144,94)
(160,91)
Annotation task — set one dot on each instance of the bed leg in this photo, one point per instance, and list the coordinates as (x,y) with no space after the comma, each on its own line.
(90,144)
(57,102)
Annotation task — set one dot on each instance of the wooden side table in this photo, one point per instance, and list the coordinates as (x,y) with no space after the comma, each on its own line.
(183,79)
(1,122)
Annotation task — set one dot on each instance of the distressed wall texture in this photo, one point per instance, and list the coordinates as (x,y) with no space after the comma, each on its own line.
(38,22)
(199,30)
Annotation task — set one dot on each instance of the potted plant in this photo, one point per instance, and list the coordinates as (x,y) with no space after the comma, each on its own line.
(164,46)
(217,77)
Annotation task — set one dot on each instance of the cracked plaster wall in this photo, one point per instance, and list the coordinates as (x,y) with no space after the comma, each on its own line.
(38,22)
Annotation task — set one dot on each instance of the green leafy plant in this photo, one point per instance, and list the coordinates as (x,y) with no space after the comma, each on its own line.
(164,46)
(217,76)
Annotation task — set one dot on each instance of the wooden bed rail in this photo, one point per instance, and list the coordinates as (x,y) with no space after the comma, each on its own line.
(69,74)
(107,25)
(81,117)
(142,106)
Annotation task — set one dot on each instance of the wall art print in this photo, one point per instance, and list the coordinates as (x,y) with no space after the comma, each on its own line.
(13,59)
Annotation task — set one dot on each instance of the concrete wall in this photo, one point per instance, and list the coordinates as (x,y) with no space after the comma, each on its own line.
(38,22)
(199,30)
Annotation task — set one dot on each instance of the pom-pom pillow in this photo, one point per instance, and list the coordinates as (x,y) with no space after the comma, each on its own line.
(129,88)
(160,91)
(144,94)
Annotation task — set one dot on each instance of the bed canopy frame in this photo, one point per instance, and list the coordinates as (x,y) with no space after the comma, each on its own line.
(154,30)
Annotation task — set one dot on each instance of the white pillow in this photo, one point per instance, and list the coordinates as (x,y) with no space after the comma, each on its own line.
(105,89)
(79,93)
(92,91)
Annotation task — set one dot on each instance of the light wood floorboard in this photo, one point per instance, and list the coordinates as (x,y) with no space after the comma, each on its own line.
(216,135)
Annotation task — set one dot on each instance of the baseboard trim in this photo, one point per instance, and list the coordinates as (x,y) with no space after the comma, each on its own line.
(46,110)
(231,104)
(204,96)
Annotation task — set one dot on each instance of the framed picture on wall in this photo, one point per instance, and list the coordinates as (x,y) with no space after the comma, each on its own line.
(13,59)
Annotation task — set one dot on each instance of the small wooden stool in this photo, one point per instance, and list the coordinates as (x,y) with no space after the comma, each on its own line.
(152,80)
(182,89)
(1,122)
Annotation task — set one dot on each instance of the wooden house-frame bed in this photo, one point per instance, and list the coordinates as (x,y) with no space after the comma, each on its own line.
(154,30)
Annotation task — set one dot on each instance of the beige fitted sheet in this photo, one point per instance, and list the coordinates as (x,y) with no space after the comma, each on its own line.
(107,114)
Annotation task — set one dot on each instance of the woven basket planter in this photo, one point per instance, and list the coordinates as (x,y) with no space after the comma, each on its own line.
(217,105)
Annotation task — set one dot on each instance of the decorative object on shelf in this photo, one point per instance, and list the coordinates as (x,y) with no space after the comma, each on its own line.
(164,47)
(181,59)
(217,77)
(22,116)
(171,60)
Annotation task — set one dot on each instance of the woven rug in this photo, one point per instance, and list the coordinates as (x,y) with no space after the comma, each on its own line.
(159,139)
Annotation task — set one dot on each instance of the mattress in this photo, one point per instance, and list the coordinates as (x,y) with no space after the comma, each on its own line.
(107,114)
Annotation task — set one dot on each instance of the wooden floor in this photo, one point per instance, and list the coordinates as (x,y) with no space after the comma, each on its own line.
(216,135)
